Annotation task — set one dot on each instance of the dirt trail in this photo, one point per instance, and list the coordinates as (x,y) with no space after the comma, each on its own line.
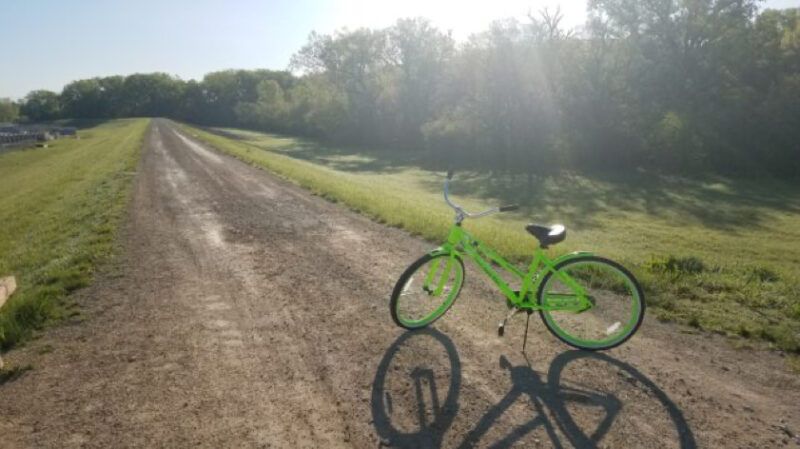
(246,313)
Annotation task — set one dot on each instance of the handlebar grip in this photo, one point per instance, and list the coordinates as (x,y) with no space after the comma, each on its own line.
(509,208)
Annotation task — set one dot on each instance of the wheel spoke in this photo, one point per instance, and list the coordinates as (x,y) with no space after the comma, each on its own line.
(407,287)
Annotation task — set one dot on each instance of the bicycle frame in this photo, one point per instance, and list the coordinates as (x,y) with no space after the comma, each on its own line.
(460,242)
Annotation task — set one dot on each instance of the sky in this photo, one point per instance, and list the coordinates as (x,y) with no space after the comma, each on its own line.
(48,43)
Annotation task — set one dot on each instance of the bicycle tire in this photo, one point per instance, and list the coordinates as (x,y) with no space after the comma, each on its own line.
(633,323)
(402,282)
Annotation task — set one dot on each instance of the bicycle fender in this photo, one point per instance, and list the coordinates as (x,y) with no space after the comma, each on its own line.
(570,256)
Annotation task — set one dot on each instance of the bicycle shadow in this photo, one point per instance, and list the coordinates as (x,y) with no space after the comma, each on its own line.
(427,428)
(685,435)
(406,381)
(527,382)
(552,395)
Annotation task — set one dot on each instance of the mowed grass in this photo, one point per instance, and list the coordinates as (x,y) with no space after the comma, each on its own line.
(713,253)
(59,210)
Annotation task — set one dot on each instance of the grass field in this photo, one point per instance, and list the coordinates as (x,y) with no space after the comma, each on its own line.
(59,210)
(713,253)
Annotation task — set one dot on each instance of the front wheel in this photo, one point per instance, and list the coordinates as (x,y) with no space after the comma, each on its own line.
(426,290)
(616,303)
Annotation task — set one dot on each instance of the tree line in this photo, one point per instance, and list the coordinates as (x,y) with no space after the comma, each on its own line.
(671,85)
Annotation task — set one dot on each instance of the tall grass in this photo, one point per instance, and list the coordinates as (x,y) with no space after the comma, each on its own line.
(59,210)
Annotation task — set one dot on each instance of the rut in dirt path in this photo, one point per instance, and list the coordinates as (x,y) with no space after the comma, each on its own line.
(247,313)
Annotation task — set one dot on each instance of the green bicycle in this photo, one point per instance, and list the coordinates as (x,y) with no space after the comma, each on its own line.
(586,301)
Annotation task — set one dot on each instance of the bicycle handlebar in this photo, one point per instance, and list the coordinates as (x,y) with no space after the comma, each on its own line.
(461,213)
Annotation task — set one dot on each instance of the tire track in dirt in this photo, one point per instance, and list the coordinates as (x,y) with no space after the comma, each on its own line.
(247,313)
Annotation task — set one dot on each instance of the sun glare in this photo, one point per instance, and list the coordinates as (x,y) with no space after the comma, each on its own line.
(462,18)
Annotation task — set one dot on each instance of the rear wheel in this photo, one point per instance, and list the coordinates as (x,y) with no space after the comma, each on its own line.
(426,290)
(617,301)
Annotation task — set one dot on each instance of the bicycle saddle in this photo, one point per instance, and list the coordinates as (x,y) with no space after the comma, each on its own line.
(547,235)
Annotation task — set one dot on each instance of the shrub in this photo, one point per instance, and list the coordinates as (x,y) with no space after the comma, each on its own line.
(677,265)
(761,274)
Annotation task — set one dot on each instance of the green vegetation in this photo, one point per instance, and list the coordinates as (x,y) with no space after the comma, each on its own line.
(8,110)
(680,86)
(59,209)
(714,253)
(41,105)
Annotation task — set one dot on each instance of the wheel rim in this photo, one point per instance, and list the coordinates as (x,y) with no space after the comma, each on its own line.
(429,291)
(616,309)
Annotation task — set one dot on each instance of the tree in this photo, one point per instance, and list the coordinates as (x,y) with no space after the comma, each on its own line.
(41,105)
(355,62)
(419,55)
(9,110)
(151,95)
(504,99)
(317,108)
(82,99)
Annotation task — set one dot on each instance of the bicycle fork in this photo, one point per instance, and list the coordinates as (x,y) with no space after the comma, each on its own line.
(426,286)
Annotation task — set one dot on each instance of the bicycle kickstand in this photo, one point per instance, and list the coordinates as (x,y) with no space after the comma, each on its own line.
(527,322)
